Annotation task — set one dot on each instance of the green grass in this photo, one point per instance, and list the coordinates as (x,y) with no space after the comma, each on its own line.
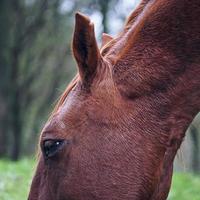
(15,179)
(185,187)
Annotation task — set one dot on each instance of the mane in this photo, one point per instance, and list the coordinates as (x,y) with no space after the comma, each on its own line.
(132,28)
(133,32)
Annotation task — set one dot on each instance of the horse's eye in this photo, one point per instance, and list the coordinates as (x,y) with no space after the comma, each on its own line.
(51,147)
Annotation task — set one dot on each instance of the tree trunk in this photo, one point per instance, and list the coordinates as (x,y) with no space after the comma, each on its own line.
(16,128)
(3,130)
(195,149)
(3,138)
(104,6)
(15,106)
(4,73)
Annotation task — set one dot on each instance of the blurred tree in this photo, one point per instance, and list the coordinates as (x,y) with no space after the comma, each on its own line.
(4,72)
(104,8)
(195,149)
(33,51)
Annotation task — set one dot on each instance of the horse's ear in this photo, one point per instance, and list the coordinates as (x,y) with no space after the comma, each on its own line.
(85,47)
(105,39)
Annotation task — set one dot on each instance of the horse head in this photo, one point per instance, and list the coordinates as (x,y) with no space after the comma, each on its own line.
(119,124)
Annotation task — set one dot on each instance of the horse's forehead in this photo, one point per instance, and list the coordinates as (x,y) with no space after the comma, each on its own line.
(102,103)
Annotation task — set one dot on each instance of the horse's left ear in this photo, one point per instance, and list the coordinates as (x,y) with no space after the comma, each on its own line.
(85,48)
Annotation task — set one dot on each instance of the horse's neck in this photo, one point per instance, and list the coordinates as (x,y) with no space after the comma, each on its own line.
(173,24)
(171,39)
(163,59)
(159,69)
(157,66)
(160,55)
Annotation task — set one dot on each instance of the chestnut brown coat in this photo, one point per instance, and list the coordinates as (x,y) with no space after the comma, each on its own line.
(117,127)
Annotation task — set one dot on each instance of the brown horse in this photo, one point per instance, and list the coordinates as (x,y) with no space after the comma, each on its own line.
(117,127)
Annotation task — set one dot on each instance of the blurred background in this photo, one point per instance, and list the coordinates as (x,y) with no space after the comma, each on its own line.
(36,64)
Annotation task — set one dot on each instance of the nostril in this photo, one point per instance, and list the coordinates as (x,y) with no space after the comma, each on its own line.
(50,147)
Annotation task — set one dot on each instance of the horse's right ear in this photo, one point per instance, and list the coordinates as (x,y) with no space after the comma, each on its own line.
(106,39)
(85,48)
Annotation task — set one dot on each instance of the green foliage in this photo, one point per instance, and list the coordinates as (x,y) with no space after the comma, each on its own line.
(15,180)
